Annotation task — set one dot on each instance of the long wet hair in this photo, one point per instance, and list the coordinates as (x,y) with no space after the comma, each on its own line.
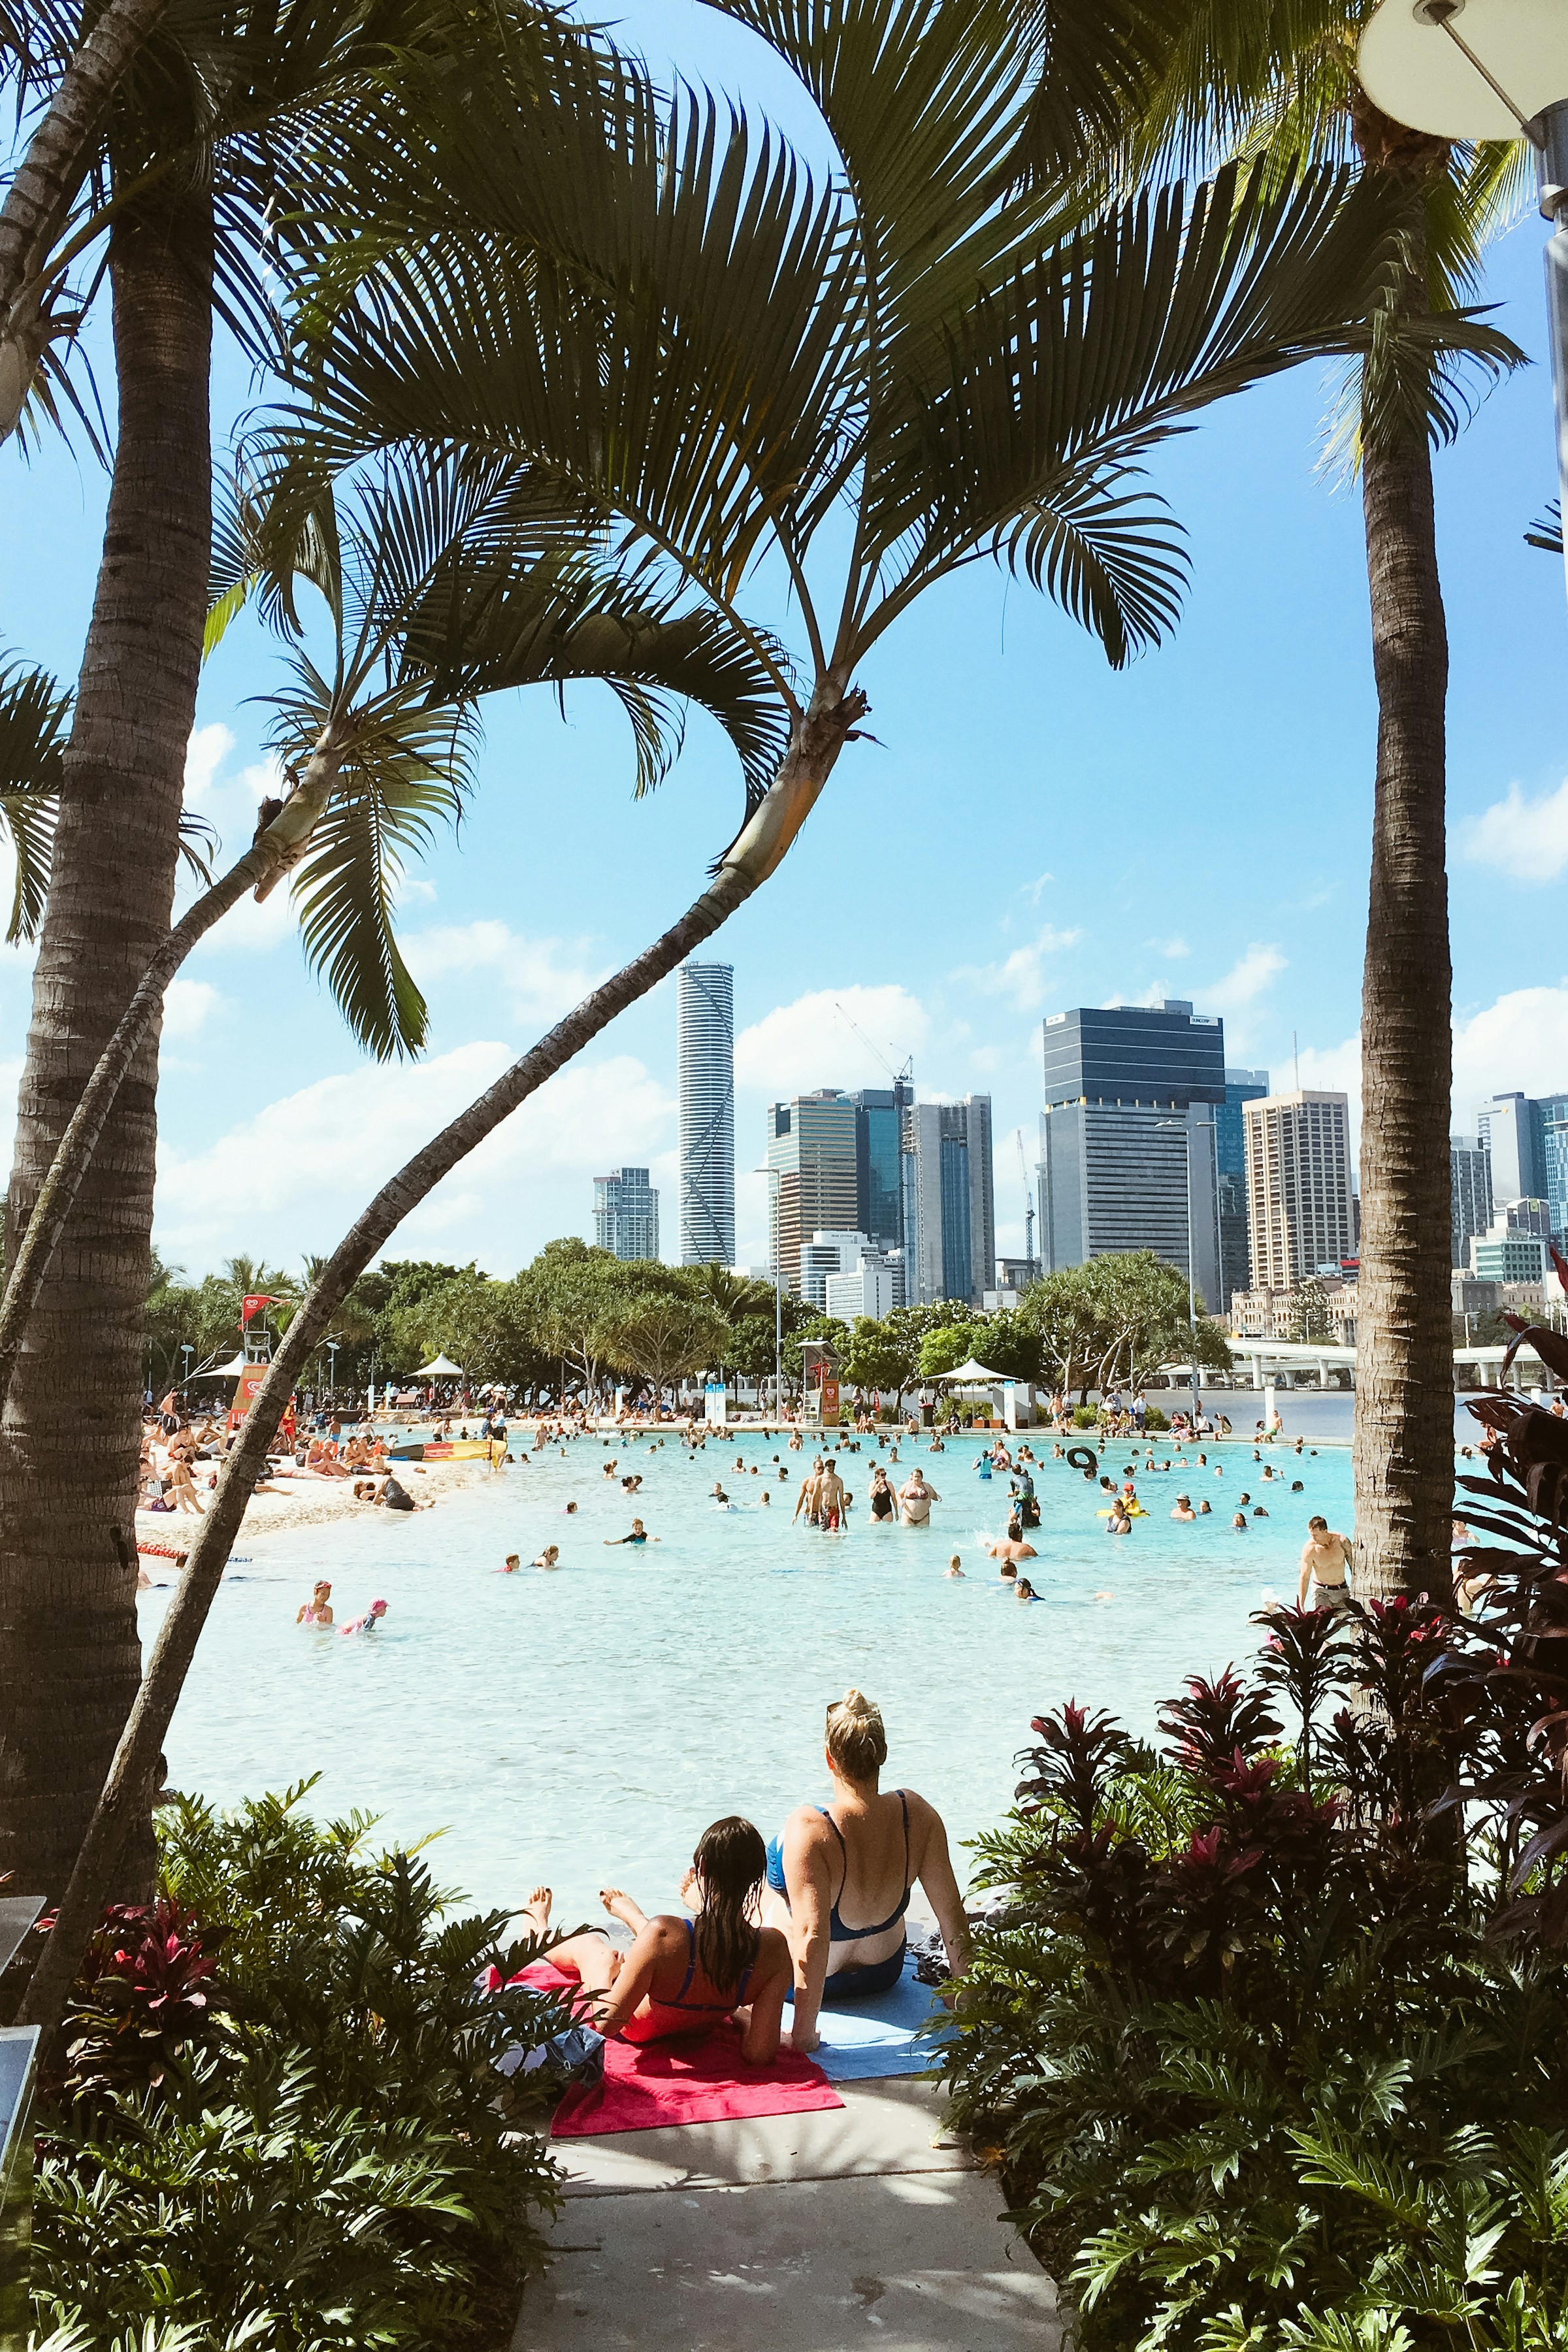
(731,1861)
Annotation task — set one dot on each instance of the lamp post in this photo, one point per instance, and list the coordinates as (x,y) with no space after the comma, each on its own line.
(332,1370)
(1187,1127)
(187,1351)
(776,1175)
(1488,69)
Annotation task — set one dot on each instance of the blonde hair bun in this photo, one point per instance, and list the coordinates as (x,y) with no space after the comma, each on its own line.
(857,1739)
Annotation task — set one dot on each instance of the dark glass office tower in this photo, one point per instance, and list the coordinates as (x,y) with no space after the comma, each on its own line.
(879,1180)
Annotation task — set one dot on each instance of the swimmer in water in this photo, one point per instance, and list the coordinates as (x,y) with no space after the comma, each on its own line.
(640,1535)
(1240,1523)
(550,1557)
(952,1567)
(1025,1591)
(1204,1507)
(510,1565)
(318,1610)
(1119,1524)
(1184,1509)
(368,1623)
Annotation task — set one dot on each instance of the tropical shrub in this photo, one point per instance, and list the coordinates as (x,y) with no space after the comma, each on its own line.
(279,2125)
(1271,2041)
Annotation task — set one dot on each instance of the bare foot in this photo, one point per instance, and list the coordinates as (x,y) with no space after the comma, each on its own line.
(620,1906)
(537,1908)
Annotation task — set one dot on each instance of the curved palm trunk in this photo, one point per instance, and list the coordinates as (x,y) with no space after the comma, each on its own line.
(1403,1456)
(123,1808)
(264,863)
(45,188)
(69,1658)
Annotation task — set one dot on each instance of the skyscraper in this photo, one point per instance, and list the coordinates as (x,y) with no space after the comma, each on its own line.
(1298,1186)
(1470,1190)
(811,1146)
(878,1144)
(949,1200)
(1230,1166)
(707,1016)
(1126,1137)
(626,1213)
(1527,1137)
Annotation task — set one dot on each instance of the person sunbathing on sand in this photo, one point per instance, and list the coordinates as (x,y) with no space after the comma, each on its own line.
(683,1976)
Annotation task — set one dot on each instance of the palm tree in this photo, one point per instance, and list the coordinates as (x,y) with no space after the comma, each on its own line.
(874,383)
(441,587)
(1238,75)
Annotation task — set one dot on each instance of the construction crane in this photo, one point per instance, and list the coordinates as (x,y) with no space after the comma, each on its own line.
(1028,1198)
(904,1077)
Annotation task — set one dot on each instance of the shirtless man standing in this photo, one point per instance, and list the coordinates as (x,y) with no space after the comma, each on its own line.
(830,1497)
(1325,1566)
(915,1499)
(1010,1549)
(806,1500)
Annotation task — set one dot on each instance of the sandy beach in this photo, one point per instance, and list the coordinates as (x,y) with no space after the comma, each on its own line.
(305,1500)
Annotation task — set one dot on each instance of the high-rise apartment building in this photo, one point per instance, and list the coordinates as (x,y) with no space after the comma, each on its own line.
(707,1057)
(879,1148)
(1527,1138)
(1470,1191)
(948,1201)
(1230,1169)
(1133,1094)
(626,1213)
(1298,1186)
(812,1150)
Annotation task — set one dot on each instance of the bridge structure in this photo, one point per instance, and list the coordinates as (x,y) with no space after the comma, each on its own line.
(1321,1360)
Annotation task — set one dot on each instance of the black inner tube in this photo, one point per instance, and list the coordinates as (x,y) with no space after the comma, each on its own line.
(1084,1458)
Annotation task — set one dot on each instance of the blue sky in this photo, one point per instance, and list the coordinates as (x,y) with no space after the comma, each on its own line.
(1032,830)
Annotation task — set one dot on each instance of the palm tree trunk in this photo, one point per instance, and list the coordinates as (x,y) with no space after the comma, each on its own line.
(1404,1363)
(69,1658)
(817,740)
(1403,1451)
(40,196)
(269,855)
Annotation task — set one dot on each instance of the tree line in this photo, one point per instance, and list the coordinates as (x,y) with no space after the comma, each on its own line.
(578,1319)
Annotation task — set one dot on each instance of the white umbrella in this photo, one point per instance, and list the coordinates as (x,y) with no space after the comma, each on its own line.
(972,1372)
(440,1368)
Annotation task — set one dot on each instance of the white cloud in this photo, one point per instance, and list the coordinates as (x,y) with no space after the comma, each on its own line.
(1020,977)
(206,753)
(1245,980)
(1171,949)
(187,1005)
(810,1043)
(1521,1040)
(542,978)
(1525,839)
(294,1175)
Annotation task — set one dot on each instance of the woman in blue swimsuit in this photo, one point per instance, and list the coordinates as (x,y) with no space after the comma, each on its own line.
(859,1860)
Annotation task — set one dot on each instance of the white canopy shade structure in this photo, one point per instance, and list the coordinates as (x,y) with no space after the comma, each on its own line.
(972,1372)
(440,1368)
(229,1371)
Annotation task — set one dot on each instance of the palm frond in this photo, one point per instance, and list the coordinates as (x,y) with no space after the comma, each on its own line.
(34,720)
(1546,530)
(405,769)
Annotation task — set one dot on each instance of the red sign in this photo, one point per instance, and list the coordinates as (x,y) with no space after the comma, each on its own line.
(829,1399)
(249,1307)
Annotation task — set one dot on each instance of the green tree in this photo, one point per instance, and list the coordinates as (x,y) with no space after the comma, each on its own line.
(1233,74)
(659,1337)
(879,1356)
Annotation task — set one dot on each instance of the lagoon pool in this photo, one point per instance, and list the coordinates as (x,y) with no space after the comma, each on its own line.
(584,1726)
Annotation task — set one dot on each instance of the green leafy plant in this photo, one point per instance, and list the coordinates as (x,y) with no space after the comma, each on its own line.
(331,2169)
(1271,2041)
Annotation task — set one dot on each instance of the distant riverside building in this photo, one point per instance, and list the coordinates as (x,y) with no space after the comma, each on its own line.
(948,1201)
(812,1148)
(626,1213)
(707,1062)
(1230,1169)
(1133,1095)
(1470,1191)
(1526,1136)
(1016,1272)
(1300,1199)
(864,1280)
(1506,1256)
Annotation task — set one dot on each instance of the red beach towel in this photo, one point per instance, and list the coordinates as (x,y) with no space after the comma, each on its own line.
(704,2080)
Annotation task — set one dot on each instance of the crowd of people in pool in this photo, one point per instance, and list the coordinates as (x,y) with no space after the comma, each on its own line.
(816,1916)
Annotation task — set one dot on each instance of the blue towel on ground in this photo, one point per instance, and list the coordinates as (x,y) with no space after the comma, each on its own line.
(862,2041)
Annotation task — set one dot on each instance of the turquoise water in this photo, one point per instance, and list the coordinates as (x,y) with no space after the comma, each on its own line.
(582,1728)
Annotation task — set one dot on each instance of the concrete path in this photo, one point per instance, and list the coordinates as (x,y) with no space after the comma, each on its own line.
(865,2225)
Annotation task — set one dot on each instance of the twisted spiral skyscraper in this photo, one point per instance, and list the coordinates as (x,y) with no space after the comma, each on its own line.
(707,1114)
